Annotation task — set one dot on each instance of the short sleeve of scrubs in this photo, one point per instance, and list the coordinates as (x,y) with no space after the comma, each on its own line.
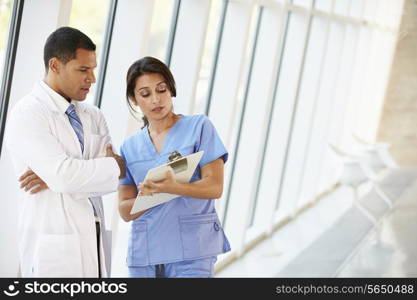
(128,179)
(210,143)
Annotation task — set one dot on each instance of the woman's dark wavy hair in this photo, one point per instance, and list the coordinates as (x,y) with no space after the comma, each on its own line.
(143,66)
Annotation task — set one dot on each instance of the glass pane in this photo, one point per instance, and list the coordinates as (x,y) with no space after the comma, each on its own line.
(325,5)
(248,54)
(208,56)
(237,119)
(319,151)
(160,28)
(259,106)
(285,98)
(90,17)
(369,10)
(341,7)
(305,3)
(343,135)
(299,145)
(159,35)
(356,8)
(5,14)
(339,104)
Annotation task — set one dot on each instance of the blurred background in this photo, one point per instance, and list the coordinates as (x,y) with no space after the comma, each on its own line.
(314,99)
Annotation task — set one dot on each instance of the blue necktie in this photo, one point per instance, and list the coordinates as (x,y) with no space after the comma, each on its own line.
(76,124)
(78,128)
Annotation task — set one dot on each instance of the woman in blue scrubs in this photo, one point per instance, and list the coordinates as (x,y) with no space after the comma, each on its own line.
(182,237)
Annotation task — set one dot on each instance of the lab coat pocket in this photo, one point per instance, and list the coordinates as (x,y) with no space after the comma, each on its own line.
(58,255)
(98,145)
(138,245)
(202,236)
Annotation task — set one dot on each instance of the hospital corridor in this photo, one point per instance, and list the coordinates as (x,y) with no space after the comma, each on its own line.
(306,108)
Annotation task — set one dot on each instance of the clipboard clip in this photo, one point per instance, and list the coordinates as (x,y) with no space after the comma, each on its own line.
(177,162)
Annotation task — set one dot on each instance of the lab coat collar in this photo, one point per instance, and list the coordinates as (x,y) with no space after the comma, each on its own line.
(57,102)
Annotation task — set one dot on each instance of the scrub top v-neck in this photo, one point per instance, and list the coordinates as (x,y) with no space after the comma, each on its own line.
(171,131)
(184,228)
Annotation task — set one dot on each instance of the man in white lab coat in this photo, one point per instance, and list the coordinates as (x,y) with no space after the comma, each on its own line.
(61,146)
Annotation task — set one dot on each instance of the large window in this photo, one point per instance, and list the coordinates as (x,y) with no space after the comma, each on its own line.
(163,13)
(320,92)
(306,100)
(324,5)
(286,99)
(337,135)
(257,99)
(319,153)
(279,80)
(5,14)
(235,126)
(305,3)
(209,48)
(9,25)
(341,7)
(90,17)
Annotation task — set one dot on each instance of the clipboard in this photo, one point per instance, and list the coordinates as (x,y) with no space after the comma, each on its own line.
(183,169)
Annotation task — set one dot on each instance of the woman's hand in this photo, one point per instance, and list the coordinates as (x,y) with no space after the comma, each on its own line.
(127,197)
(166,185)
(210,186)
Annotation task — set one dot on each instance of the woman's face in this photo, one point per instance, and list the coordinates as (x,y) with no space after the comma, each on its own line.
(153,96)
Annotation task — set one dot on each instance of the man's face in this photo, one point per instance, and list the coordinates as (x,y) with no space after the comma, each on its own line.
(75,78)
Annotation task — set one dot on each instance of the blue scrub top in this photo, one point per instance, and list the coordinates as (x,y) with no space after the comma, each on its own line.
(184,228)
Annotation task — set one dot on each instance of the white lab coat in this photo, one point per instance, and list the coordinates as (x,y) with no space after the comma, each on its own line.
(57,234)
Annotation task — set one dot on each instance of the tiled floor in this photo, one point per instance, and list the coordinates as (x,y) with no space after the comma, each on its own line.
(333,239)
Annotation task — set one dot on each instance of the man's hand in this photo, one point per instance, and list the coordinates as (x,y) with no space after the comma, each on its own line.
(119,160)
(29,179)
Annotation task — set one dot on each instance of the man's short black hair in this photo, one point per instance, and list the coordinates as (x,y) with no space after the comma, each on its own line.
(63,43)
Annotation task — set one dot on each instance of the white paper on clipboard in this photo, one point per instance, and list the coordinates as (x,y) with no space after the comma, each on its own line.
(158,173)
